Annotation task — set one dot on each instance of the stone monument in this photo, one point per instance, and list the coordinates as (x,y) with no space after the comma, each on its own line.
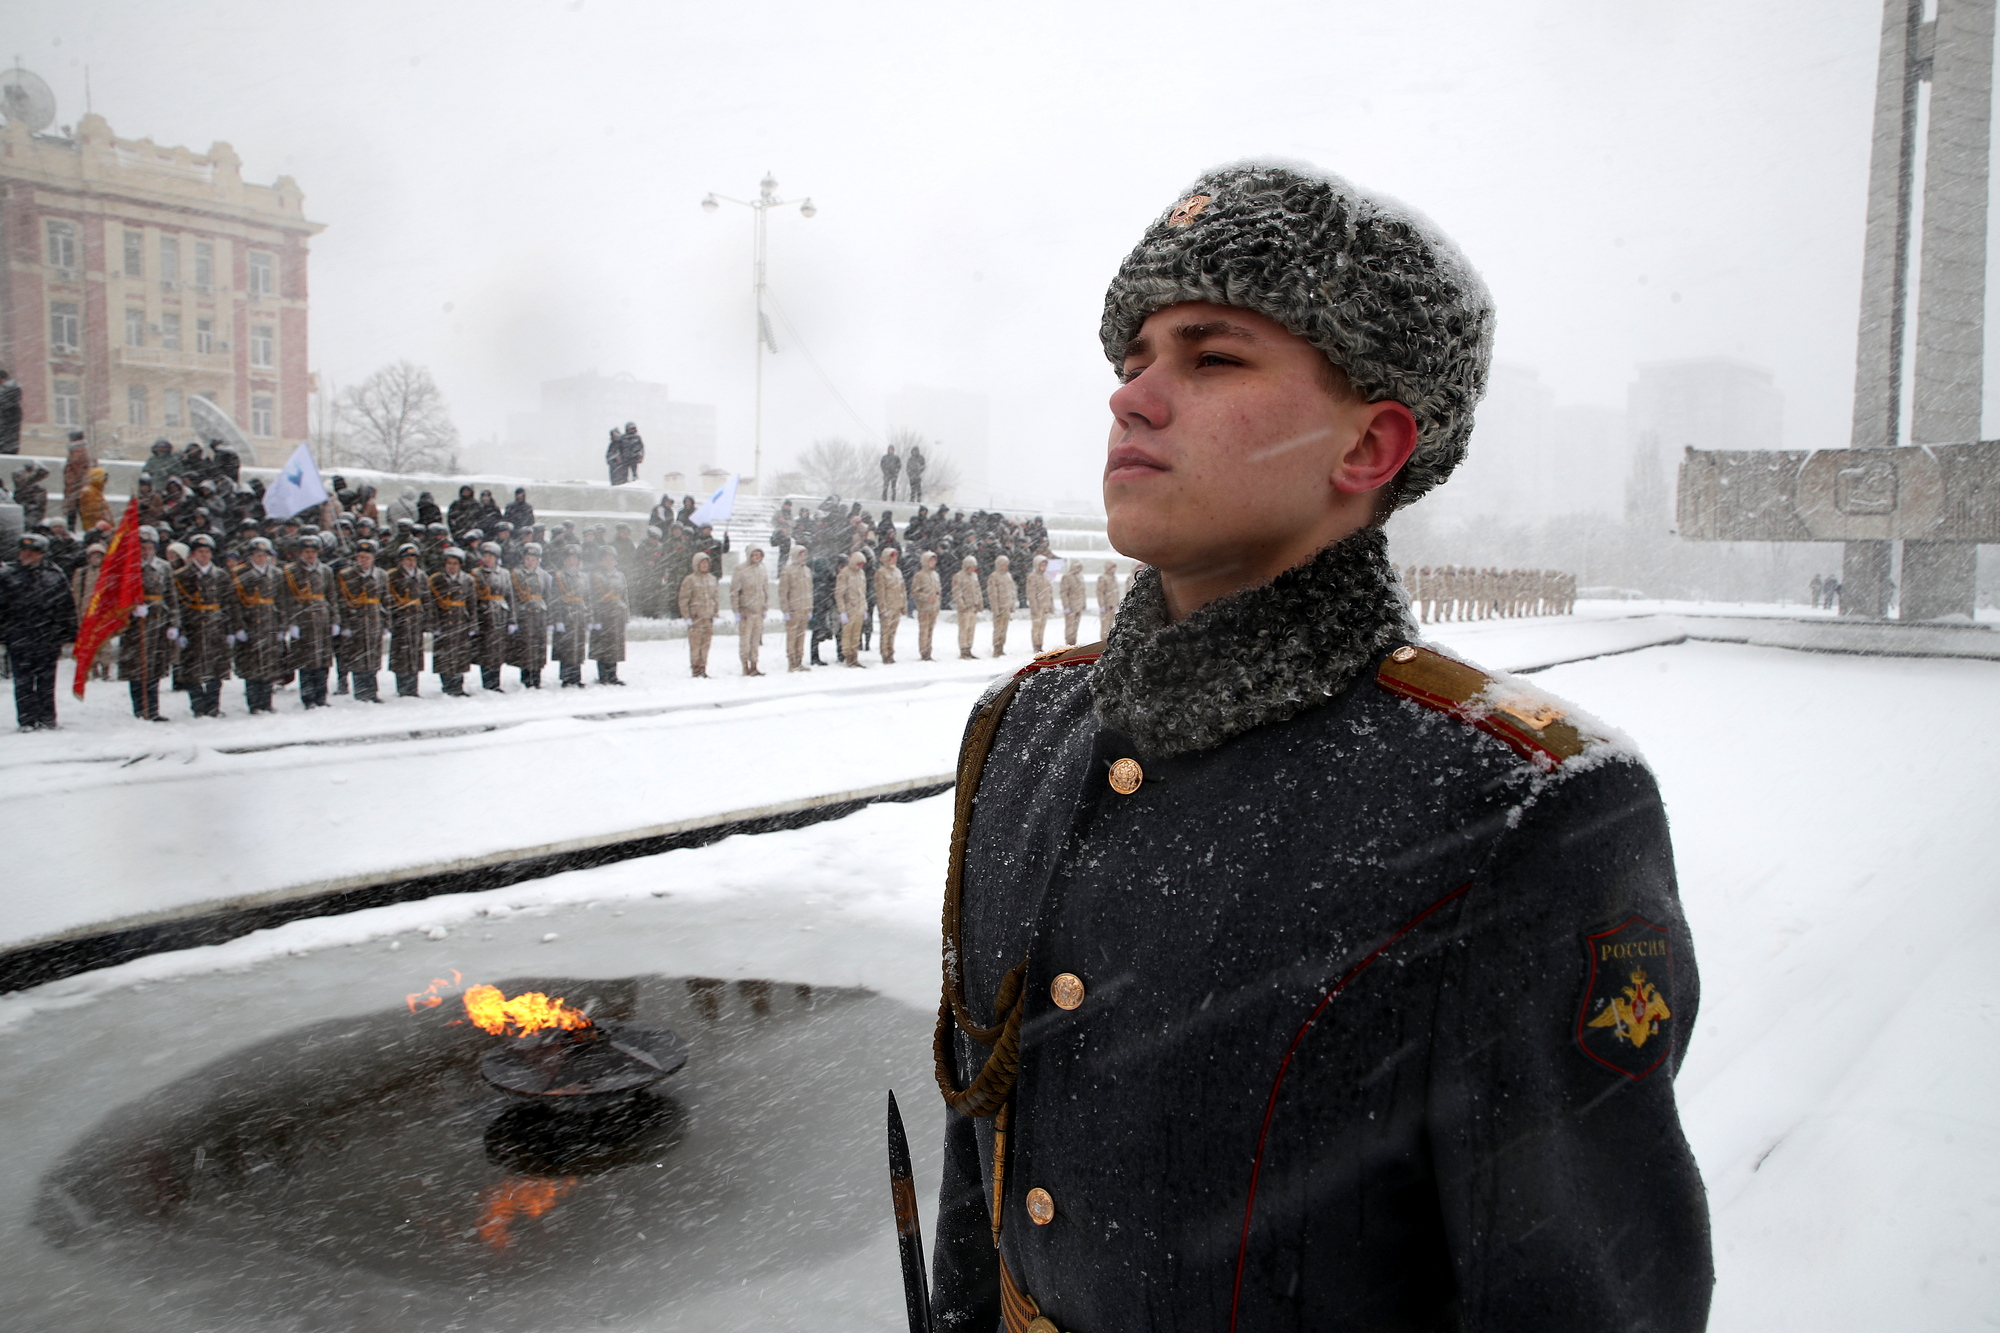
(1938,493)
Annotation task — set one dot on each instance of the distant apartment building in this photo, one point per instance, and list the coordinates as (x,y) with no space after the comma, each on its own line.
(566,438)
(1532,459)
(1709,402)
(150,292)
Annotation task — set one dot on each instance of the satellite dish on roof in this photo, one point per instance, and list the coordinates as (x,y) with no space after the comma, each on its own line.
(212,423)
(23,96)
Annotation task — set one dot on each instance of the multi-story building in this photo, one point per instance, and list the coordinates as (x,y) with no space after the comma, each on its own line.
(150,292)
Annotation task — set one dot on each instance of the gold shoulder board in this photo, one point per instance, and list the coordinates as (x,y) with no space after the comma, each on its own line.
(1532,726)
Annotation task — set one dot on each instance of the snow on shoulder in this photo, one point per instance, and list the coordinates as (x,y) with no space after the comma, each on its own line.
(1548,732)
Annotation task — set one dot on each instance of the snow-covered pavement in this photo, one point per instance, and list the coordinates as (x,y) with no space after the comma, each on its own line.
(1832,818)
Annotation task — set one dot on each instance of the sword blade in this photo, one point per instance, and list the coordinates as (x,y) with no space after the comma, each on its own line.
(909,1228)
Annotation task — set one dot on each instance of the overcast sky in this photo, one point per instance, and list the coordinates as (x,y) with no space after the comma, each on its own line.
(511,187)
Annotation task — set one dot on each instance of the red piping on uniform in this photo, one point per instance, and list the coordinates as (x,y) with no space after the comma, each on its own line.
(1284,1067)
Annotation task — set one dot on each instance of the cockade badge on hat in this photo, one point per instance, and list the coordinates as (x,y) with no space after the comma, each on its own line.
(1188,209)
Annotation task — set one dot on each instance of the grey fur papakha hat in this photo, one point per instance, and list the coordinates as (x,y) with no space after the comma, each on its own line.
(1369,282)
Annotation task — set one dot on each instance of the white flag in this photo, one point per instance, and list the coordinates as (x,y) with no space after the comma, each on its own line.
(297,488)
(719,507)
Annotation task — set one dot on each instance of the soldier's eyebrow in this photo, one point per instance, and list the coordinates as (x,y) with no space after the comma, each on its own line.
(1206,330)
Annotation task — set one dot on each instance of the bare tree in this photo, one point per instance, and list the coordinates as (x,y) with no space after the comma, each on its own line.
(837,467)
(398,422)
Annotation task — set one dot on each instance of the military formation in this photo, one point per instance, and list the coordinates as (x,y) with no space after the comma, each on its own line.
(1453,592)
(475,593)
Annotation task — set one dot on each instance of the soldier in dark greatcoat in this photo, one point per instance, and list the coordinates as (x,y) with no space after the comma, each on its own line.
(528,637)
(146,647)
(312,622)
(1298,976)
(569,616)
(207,597)
(454,620)
(258,625)
(37,617)
(409,617)
(494,587)
(363,589)
(608,614)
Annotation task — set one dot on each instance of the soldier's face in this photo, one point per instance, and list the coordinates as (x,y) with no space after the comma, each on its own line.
(365,559)
(1234,454)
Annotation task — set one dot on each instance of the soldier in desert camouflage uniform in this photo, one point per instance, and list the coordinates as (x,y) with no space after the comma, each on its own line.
(699,600)
(891,600)
(926,595)
(1001,593)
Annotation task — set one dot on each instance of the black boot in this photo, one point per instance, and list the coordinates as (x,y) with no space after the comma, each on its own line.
(406,686)
(489,679)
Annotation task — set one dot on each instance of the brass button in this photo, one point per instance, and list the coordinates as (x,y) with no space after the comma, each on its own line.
(1041,1207)
(1067,990)
(1126,775)
(1405,654)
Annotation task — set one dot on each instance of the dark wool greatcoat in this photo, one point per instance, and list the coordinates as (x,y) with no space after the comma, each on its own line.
(452,620)
(144,650)
(363,597)
(528,645)
(34,621)
(409,617)
(1347,1010)
(569,615)
(308,605)
(495,590)
(257,611)
(208,604)
(608,614)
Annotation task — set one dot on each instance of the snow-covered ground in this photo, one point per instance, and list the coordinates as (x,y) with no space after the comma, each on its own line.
(1832,816)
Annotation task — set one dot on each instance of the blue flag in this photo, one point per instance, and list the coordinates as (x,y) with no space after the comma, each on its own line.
(719,507)
(297,488)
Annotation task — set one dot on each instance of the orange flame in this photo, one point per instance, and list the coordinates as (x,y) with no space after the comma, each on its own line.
(524,1014)
(428,998)
(518,1197)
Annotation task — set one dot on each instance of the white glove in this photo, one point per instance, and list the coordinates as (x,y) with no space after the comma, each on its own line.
(843,617)
(597,627)
(513,629)
(559,628)
(292,633)
(242,636)
(139,611)
(173,633)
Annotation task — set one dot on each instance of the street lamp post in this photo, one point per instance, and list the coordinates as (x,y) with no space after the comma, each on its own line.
(766,200)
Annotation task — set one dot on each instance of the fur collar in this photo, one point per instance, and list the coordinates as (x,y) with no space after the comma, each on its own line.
(1261,655)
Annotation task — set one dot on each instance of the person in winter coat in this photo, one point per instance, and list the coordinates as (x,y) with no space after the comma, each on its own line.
(1072,600)
(926,595)
(409,615)
(32,494)
(892,468)
(146,644)
(699,601)
(207,596)
(76,471)
(257,624)
(795,603)
(404,508)
(92,509)
(489,516)
(850,600)
(914,467)
(1000,595)
(454,622)
(10,414)
(608,613)
(493,597)
(519,512)
(750,599)
(1108,595)
(967,601)
(892,600)
(1298,976)
(463,516)
(363,589)
(529,635)
(428,511)
(161,464)
(37,620)
(1041,598)
(312,622)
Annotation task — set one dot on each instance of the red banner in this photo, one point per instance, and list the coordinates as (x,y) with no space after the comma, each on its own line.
(120,587)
